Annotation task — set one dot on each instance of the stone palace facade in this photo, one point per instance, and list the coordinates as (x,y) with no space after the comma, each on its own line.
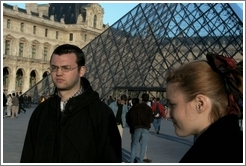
(30,35)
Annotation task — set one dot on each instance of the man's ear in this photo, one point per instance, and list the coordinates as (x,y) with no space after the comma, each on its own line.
(82,71)
(202,103)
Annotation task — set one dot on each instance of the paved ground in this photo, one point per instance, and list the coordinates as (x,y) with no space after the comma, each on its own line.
(165,147)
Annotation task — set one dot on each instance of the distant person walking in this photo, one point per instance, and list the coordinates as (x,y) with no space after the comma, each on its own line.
(42,99)
(158,113)
(4,104)
(135,101)
(120,109)
(140,119)
(110,100)
(9,105)
(15,106)
(21,103)
(29,101)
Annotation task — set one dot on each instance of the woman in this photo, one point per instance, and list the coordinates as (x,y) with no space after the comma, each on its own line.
(9,105)
(205,99)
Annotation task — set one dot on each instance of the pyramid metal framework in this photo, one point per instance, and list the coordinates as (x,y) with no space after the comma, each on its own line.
(133,55)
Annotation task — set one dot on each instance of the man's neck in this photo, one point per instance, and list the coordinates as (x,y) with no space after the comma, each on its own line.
(65,95)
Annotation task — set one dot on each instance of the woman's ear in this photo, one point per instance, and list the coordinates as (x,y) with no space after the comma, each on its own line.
(202,103)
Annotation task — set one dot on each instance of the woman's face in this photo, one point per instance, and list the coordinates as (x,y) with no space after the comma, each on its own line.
(183,114)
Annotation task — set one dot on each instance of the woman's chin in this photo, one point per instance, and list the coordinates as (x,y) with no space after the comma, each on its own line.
(179,132)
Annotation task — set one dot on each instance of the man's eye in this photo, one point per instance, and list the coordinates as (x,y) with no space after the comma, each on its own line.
(66,67)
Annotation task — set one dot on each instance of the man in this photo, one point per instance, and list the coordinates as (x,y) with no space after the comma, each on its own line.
(21,103)
(140,119)
(161,114)
(120,109)
(25,101)
(15,105)
(4,105)
(135,101)
(110,100)
(73,125)
(29,100)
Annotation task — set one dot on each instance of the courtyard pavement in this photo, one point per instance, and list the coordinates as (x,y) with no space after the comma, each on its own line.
(164,148)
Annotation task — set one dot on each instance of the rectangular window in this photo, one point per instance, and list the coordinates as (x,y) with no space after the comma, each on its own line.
(34,30)
(46,32)
(45,53)
(95,21)
(85,37)
(7,47)
(21,47)
(22,27)
(57,33)
(70,37)
(33,51)
(8,23)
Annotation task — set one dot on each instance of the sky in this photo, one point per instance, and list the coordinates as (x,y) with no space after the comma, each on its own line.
(112,11)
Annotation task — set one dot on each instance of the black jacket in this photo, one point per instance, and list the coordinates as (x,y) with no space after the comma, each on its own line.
(222,142)
(4,100)
(85,133)
(139,116)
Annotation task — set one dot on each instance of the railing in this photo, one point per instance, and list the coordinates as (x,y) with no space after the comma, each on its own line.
(44,87)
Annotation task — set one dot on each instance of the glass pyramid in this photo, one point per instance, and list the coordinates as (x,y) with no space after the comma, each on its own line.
(134,54)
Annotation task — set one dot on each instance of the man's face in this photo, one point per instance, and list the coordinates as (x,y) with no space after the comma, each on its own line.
(122,102)
(66,80)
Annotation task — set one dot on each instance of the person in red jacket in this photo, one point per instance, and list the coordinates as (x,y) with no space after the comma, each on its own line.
(159,115)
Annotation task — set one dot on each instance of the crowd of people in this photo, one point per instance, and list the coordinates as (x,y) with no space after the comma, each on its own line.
(15,103)
(207,104)
(204,98)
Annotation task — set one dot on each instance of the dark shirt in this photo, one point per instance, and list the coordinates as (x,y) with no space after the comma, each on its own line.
(21,99)
(4,100)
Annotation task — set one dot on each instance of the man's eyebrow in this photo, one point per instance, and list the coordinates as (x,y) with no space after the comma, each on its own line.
(61,66)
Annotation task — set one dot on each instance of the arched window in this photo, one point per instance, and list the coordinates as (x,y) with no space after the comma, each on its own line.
(32,79)
(19,76)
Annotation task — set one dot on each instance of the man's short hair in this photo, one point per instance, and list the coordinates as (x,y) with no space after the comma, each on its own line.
(123,97)
(135,101)
(69,48)
(145,97)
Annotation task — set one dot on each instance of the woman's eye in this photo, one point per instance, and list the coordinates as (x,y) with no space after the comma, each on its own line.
(171,105)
